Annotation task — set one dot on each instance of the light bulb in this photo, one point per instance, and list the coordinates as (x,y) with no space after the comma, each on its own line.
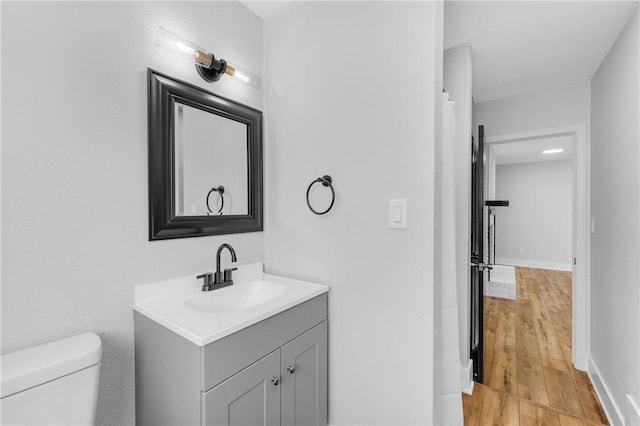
(177,44)
(553,151)
(243,75)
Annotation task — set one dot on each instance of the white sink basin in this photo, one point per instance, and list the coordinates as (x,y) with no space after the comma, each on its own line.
(204,317)
(237,297)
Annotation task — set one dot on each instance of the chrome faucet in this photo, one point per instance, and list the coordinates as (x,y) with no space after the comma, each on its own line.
(219,279)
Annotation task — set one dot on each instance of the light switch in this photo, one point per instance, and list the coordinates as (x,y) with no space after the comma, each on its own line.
(398,214)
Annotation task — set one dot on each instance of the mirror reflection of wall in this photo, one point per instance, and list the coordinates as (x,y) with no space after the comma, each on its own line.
(211,151)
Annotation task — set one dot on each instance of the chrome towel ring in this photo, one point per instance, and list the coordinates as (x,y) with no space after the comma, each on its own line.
(325,181)
(219,190)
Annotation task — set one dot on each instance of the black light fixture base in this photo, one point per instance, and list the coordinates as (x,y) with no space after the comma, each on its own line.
(208,74)
(212,74)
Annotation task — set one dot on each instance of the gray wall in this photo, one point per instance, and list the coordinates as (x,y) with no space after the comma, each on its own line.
(370,73)
(458,82)
(539,217)
(74,169)
(615,199)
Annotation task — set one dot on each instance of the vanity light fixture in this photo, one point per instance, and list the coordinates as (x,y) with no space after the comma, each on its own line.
(553,151)
(208,67)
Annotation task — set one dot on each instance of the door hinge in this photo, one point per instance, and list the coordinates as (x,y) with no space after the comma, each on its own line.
(574,261)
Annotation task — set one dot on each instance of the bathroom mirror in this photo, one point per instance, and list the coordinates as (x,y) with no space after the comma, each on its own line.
(205,162)
(210,153)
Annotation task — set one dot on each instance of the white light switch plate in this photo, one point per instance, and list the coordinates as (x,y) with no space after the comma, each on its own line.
(398,214)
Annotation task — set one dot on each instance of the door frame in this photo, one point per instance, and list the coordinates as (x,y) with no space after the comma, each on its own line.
(581,329)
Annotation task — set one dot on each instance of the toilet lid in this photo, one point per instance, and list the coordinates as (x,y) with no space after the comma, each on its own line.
(34,366)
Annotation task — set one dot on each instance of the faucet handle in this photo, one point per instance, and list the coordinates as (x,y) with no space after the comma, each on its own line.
(227,274)
(207,285)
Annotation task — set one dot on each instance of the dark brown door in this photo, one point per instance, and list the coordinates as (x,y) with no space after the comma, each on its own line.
(477,254)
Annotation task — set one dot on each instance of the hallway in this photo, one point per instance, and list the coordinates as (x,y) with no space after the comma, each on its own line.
(527,358)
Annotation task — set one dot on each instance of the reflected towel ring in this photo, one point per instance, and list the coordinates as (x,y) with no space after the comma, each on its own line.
(325,181)
(220,190)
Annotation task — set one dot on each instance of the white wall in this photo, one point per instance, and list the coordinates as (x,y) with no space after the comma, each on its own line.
(615,340)
(539,217)
(555,107)
(351,92)
(457,81)
(74,169)
(562,106)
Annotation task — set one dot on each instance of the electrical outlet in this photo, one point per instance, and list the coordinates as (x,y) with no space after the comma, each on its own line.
(520,250)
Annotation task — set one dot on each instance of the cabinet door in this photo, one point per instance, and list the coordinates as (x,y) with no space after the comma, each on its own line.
(249,398)
(304,379)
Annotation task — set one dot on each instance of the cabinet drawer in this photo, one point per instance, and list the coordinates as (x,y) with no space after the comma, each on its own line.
(227,356)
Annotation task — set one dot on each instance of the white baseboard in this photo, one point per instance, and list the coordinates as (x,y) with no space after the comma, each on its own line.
(501,290)
(501,282)
(611,410)
(540,264)
(466,378)
(632,412)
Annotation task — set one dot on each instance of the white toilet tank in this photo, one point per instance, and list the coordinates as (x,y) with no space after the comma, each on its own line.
(52,384)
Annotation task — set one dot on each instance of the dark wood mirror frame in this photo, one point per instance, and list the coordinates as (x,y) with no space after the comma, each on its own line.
(163,92)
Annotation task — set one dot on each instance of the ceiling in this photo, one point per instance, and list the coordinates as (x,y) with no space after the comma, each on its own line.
(522,46)
(266,9)
(531,151)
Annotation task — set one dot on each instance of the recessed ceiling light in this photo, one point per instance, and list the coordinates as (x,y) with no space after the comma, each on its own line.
(553,151)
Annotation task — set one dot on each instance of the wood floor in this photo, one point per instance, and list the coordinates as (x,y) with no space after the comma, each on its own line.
(491,407)
(528,374)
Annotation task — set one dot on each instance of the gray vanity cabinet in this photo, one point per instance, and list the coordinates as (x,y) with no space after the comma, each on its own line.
(251,397)
(304,379)
(287,387)
(273,372)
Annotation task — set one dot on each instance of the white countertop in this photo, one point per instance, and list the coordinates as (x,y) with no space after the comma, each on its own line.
(164,303)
